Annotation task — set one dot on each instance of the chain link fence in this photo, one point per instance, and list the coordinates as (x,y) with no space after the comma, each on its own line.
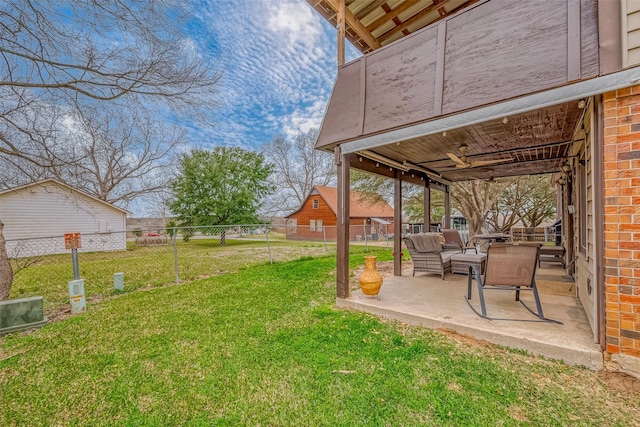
(150,258)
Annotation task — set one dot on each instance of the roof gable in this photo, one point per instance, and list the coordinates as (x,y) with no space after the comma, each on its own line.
(55,182)
(359,207)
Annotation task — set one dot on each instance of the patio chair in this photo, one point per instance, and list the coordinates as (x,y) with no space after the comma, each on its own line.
(452,237)
(510,268)
(428,254)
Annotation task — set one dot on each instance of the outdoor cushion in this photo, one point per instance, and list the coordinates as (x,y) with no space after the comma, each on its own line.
(427,242)
(446,255)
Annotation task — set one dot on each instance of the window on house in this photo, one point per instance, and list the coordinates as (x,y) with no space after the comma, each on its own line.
(315,203)
(319,225)
(312,225)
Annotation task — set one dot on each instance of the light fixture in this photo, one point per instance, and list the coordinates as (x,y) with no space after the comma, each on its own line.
(505,120)
(444,133)
(581,104)
(382,159)
(404,166)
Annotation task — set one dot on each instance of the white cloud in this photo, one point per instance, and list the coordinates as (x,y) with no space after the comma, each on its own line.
(278,60)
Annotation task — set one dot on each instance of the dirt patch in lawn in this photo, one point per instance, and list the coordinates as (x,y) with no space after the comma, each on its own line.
(620,381)
(611,377)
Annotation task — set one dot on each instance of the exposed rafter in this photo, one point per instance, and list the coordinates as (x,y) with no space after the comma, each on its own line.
(385,20)
(355,24)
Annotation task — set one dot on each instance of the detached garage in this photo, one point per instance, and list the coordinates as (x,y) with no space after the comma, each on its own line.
(37,216)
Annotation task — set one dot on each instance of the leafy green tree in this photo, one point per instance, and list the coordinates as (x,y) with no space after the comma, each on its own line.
(220,187)
(474,199)
(532,199)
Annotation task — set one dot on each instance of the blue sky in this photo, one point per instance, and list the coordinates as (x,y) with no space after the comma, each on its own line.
(278,60)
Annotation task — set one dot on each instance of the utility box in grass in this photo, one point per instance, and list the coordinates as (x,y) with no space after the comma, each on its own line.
(76,296)
(24,313)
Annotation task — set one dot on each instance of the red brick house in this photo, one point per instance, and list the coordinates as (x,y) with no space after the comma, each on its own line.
(316,218)
(506,87)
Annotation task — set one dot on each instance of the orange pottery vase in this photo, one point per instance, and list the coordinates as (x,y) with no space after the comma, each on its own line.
(371,280)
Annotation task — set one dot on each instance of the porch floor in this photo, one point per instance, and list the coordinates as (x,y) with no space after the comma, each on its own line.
(427,300)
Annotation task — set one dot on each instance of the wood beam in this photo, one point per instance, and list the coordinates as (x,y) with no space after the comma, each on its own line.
(397,224)
(340,25)
(420,15)
(427,206)
(370,8)
(447,208)
(355,24)
(390,15)
(344,197)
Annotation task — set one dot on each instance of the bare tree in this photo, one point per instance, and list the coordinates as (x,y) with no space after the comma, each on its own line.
(6,273)
(58,58)
(533,198)
(298,167)
(474,199)
(117,53)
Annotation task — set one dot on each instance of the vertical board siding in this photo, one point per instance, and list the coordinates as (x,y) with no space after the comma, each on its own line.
(497,50)
(517,49)
(400,82)
(343,118)
(589,58)
(51,211)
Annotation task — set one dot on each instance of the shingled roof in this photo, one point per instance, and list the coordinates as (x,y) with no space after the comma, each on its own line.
(361,206)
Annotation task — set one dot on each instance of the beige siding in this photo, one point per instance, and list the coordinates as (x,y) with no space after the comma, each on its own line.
(631,32)
(50,211)
(585,261)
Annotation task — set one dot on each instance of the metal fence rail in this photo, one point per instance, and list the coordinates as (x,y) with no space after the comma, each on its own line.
(157,257)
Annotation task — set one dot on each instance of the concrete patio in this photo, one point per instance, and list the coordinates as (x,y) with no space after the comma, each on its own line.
(427,300)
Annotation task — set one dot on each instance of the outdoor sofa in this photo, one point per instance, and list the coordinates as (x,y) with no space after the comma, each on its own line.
(429,254)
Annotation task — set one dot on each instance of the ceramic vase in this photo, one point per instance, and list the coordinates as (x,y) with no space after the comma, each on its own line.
(371,280)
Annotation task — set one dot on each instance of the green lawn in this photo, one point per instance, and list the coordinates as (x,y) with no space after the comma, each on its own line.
(264,346)
(150,266)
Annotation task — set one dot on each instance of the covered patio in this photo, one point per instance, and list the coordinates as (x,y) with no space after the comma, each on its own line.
(454,91)
(426,300)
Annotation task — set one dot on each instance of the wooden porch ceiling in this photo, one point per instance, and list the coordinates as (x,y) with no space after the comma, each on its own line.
(371,24)
(536,142)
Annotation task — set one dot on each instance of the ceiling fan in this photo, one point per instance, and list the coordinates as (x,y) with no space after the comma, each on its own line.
(461,162)
(492,179)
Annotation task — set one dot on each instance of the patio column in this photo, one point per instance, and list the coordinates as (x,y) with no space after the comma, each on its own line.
(344,197)
(427,205)
(397,224)
(447,208)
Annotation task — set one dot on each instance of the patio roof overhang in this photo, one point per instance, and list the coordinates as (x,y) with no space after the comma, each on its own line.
(508,80)
(536,132)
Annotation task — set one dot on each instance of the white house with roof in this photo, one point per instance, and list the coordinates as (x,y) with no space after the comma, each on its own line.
(37,216)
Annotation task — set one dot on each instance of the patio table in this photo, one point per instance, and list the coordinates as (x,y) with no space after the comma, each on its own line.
(484,240)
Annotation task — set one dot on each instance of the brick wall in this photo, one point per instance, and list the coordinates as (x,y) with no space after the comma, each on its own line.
(622,220)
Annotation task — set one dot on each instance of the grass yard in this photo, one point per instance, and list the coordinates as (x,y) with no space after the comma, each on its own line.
(150,266)
(264,346)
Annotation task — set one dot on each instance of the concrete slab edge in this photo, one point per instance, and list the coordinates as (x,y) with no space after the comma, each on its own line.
(579,357)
